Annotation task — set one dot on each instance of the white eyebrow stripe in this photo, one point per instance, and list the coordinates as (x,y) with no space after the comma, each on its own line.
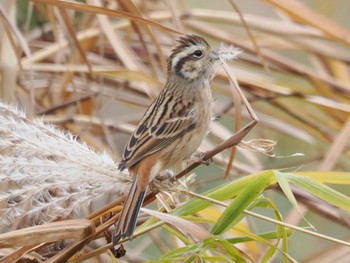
(184,53)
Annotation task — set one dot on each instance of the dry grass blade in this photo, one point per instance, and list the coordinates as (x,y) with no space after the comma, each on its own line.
(261,23)
(302,13)
(236,97)
(104,11)
(74,38)
(121,48)
(132,8)
(249,32)
(15,32)
(69,229)
(337,148)
(190,229)
(8,51)
(329,103)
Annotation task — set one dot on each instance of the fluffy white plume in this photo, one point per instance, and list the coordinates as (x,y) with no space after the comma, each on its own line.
(228,52)
(46,174)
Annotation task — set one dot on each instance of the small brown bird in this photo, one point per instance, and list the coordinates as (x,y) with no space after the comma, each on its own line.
(173,126)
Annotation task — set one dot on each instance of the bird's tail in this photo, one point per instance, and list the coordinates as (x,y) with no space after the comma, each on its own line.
(128,216)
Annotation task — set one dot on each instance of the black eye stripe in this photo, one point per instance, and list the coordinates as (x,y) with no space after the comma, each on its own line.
(195,55)
(180,63)
(183,60)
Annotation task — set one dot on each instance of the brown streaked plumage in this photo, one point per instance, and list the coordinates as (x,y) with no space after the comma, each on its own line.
(173,126)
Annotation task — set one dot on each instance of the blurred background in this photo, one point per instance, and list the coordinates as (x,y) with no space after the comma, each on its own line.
(94,71)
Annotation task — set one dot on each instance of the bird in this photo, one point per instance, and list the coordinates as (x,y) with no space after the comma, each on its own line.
(173,126)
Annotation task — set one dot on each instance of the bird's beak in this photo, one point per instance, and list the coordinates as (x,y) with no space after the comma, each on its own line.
(215,55)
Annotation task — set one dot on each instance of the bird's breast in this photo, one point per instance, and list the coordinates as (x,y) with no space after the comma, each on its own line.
(186,145)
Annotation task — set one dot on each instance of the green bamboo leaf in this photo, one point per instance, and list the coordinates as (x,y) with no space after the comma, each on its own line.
(262,237)
(180,252)
(270,252)
(284,184)
(250,236)
(281,230)
(242,201)
(328,177)
(320,190)
(178,234)
(217,259)
(192,259)
(223,192)
(231,250)
(282,235)
(168,260)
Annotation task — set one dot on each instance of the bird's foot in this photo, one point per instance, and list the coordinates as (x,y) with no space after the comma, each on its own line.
(166,175)
(119,251)
(201,158)
(163,180)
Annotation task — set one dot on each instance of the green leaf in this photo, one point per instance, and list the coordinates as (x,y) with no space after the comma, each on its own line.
(262,238)
(328,177)
(192,259)
(178,234)
(270,252)
(221,193)
(320,190)
(180,252)
(284,184)
(231,251)
(235,210)
(216,259)
(281,233)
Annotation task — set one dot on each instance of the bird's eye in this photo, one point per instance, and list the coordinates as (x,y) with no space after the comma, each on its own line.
(198,53)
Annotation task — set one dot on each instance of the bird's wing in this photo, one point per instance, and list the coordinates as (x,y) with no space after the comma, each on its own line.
(148,140)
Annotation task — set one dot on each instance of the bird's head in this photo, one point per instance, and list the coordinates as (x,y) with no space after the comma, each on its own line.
(192,58)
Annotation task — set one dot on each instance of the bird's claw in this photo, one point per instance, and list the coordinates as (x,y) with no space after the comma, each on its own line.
(119,252)
(163,181)
(200,158)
